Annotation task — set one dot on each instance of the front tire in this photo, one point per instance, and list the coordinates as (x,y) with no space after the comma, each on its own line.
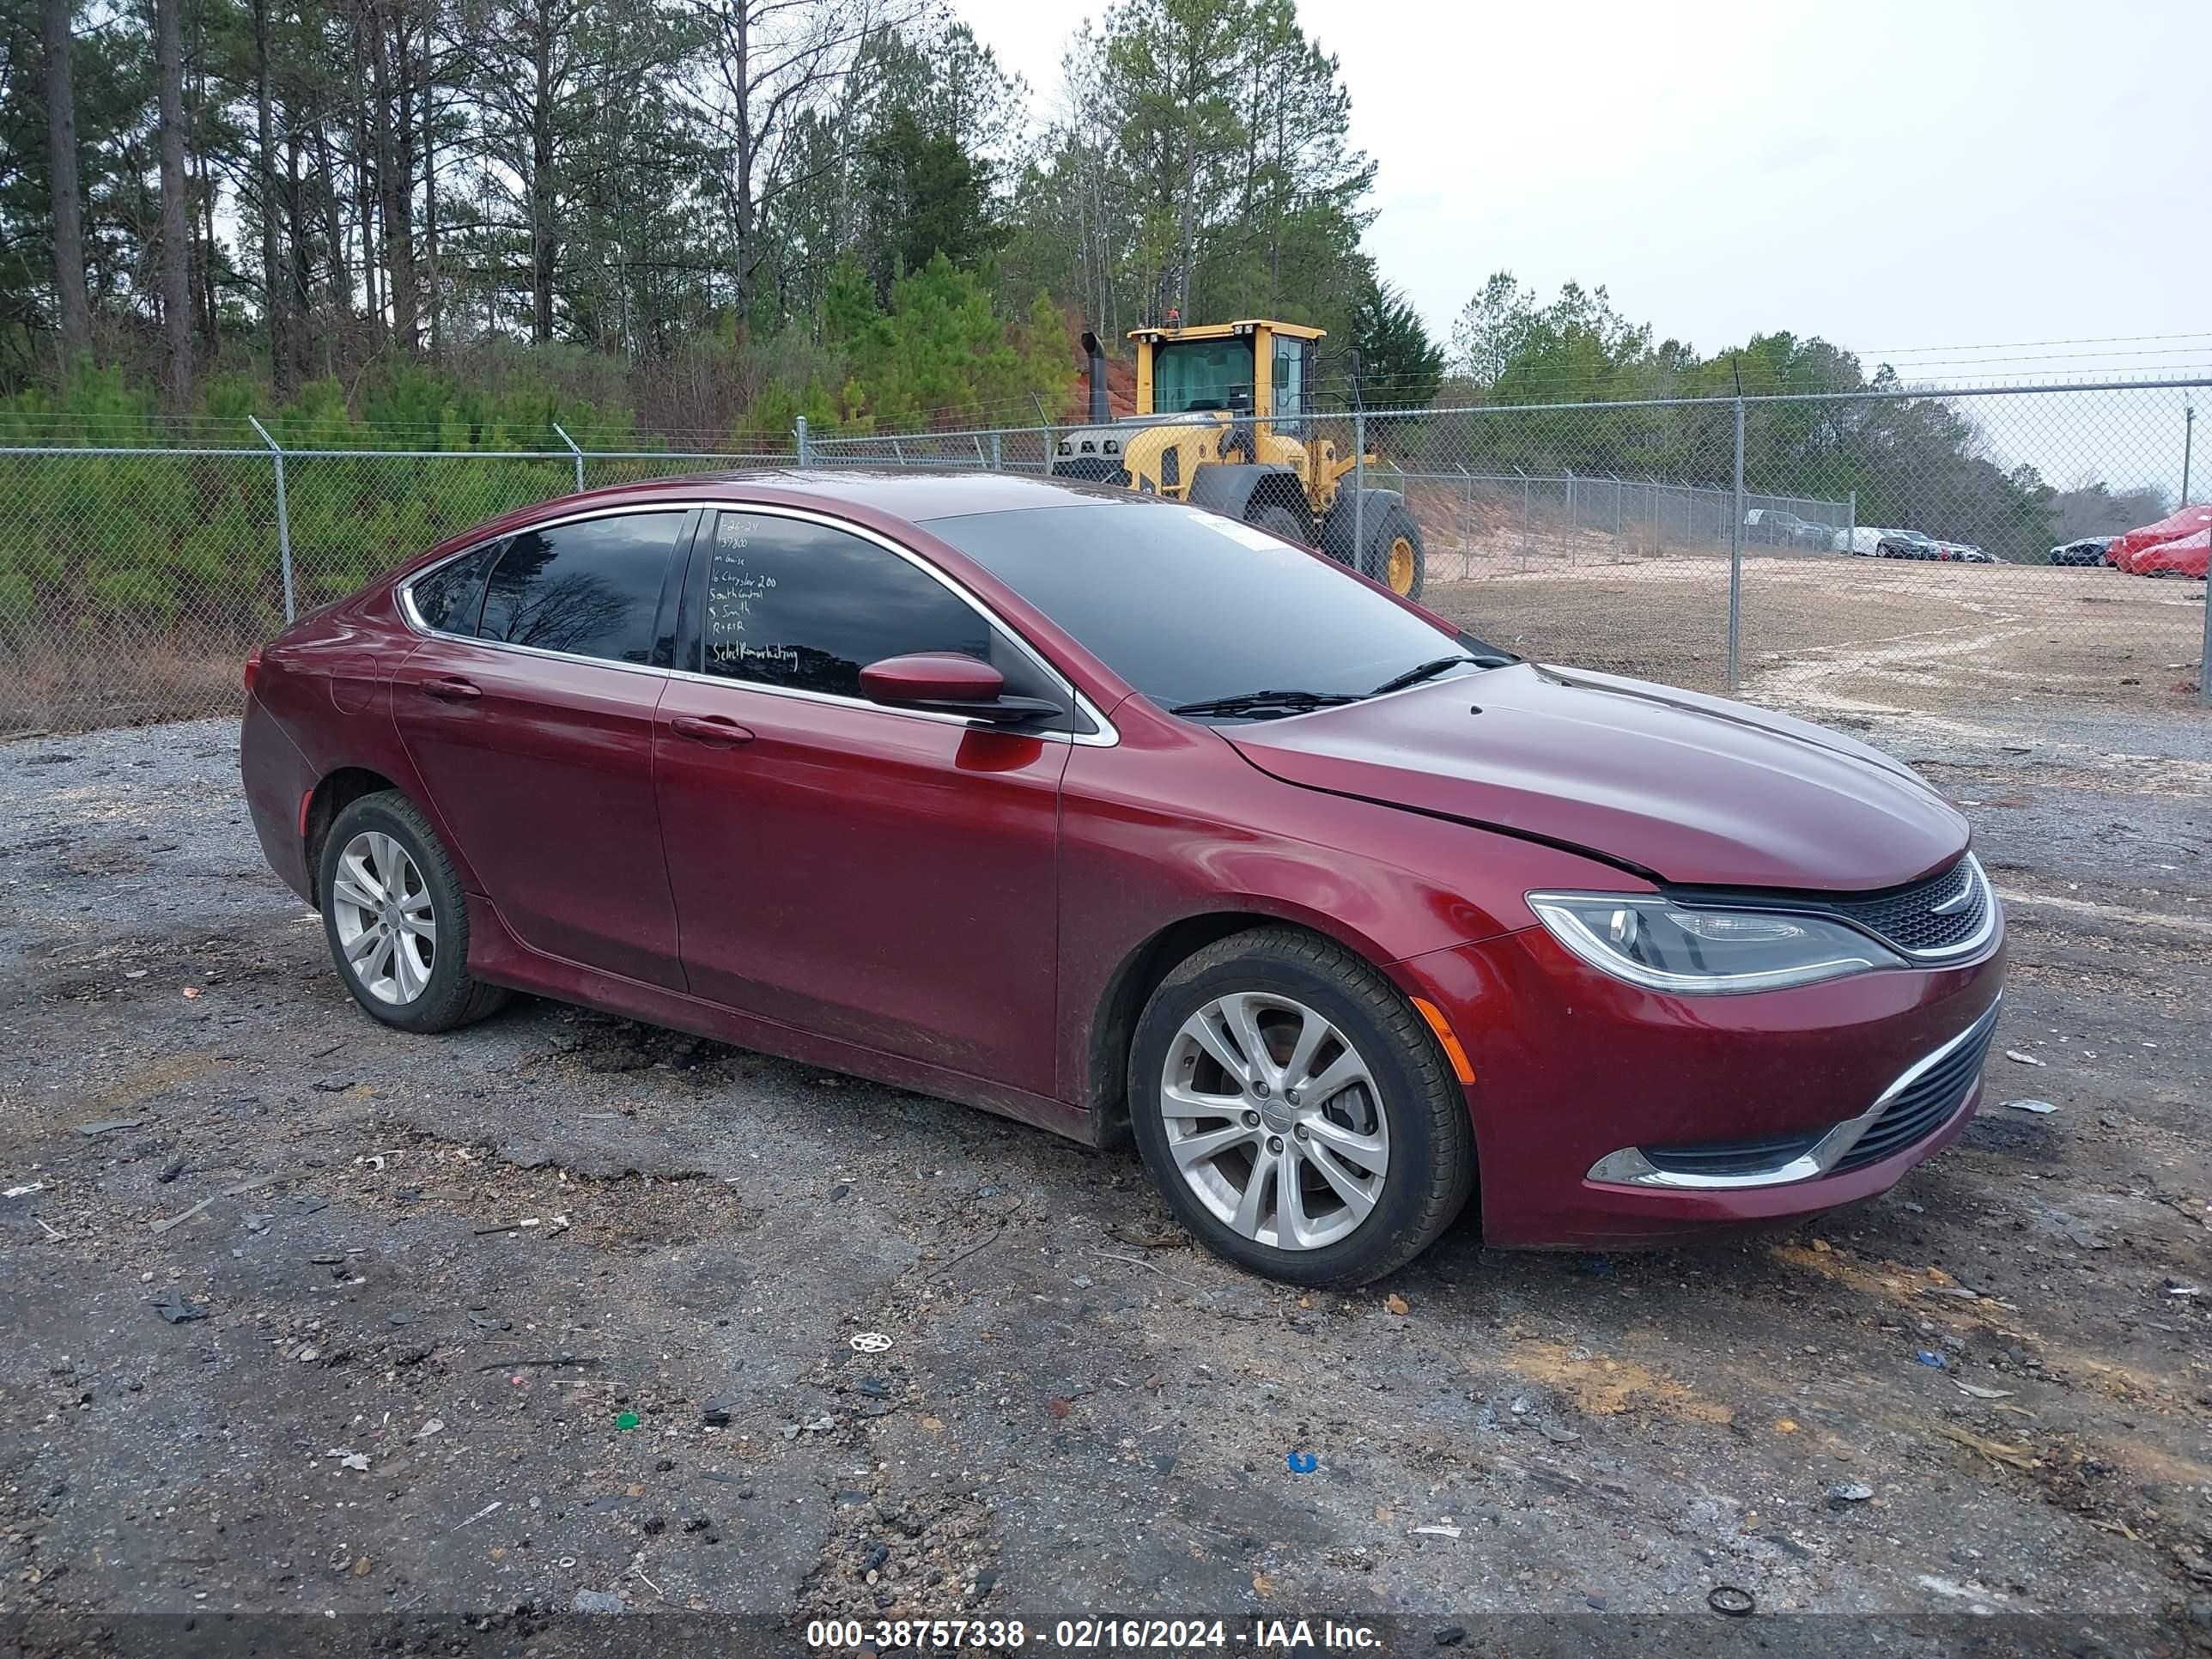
(396,919)
(1295,1111)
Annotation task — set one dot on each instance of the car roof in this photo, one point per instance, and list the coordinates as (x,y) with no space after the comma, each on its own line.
(914,495)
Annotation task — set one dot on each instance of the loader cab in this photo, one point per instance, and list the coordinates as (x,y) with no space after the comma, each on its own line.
(1251,366)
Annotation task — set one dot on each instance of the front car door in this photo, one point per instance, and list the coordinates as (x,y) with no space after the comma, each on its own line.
(528,711)
(887,878)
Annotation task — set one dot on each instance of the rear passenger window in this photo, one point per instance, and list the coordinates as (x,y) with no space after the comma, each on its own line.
(801,605)
(589,589)
(451,597)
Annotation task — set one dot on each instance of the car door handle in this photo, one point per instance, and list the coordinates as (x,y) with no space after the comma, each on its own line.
(452,688)
(710,729)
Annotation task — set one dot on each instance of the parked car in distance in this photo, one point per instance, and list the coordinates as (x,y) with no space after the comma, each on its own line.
(1773,527)
(1962,553)
(1906,544)
(959,783)
(1864,540)
(1770,525)
(2126,550)
(2186,556)
(2084,551)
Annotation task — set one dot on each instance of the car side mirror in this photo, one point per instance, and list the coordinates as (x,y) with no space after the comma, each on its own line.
(948,683)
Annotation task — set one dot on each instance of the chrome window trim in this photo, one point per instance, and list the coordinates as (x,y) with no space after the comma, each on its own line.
(1629,1167)
(1106,736)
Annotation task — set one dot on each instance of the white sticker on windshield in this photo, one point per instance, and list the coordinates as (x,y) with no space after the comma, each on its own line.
(1245,534)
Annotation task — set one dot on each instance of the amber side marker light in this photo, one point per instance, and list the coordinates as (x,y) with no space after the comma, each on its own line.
(1453,1052)
(253,666)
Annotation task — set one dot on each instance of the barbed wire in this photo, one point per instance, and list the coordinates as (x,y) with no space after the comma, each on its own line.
(1380,395)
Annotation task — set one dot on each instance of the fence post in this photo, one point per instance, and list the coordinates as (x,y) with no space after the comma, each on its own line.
(1573,524)
(283,520)
(2204,654)
(1525,532)
(1467,530)
(1616,507)
(998,452)
(2188,443)
(1735,561)
(1359,490)
(577,453)
(1851,529)
(799,438)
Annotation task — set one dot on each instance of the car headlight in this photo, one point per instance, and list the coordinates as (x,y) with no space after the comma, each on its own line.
(1701,950)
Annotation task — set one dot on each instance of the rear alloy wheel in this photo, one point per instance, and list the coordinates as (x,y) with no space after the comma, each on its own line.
(396,919)
(1296,1112)
(386,925)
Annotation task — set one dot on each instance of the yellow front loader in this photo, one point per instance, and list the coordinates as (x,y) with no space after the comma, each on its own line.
(1224,420)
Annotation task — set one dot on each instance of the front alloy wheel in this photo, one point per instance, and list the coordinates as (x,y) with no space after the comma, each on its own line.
(386,923)
(1274,1121)
(1296,1112)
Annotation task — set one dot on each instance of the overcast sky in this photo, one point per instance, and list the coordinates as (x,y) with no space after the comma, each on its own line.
(1891,176)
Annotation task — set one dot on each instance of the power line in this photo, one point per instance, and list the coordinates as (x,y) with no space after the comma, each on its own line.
(2202,344)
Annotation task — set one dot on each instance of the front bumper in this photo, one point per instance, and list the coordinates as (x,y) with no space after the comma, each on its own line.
(1607,1116)
(1926,1096)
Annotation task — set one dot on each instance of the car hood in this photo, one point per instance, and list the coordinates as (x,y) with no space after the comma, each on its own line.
(1695,790)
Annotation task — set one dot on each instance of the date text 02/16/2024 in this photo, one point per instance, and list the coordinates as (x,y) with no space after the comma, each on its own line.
(1108,1635)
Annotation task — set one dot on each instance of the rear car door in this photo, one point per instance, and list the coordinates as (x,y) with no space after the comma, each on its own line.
(885,876)
(528,711)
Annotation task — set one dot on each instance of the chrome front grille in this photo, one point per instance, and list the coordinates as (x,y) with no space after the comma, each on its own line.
(1945,915)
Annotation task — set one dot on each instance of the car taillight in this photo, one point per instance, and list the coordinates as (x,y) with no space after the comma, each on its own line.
(252,668)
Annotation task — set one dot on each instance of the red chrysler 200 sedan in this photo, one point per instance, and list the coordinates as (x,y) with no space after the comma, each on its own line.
(1109,814)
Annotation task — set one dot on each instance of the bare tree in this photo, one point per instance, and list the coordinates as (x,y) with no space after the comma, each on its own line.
(69,196)
(523,62)
(176,222)
(395,54)
(768,61)
(274,307)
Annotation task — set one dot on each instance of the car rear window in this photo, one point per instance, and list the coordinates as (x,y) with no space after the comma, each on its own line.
(1187,606)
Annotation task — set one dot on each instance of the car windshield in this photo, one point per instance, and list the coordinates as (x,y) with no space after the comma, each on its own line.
(1191,608)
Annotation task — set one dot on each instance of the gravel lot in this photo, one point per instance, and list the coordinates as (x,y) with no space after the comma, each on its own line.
(423,1288)
(1882,633)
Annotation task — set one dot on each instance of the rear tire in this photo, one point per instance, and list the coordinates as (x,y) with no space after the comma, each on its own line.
(1354,1179)
(1396,556)
(396,919)
(1279,520)
(1393,555)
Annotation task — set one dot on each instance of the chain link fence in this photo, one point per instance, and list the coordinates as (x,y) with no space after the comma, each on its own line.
(1892,550)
